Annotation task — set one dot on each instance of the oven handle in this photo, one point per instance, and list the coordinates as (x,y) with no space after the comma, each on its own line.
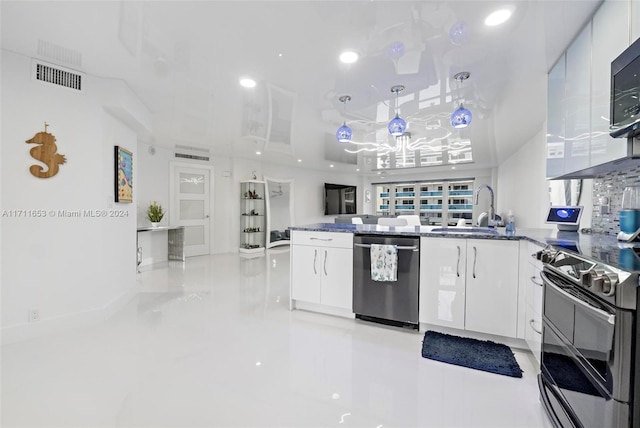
(610,318)
(397,247)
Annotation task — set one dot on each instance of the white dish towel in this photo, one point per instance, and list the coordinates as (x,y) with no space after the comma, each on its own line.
(384,262)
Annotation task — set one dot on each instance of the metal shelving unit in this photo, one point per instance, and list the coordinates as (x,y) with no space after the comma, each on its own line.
(252,217)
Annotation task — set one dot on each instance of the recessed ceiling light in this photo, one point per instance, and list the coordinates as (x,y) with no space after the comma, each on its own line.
(348,57)
(247,82)
(299,160)
(497,17)
(357,169)
(331,166)
(258,153)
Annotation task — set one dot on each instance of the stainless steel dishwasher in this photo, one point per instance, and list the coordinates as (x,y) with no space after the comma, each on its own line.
(387,302)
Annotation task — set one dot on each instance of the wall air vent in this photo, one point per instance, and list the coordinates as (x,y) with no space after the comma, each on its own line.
(190,152)
(56,75)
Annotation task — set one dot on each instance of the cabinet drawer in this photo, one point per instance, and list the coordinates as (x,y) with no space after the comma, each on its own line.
(531,251)
(322,239)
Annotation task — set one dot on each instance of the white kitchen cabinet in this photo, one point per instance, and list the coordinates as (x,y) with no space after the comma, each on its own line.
(492,287)
(533,314)
(608,42)
(530,321)
(555,118)
(443,281)
(470,284)
(577,93)
(322,268)
(635,20)
(305,276)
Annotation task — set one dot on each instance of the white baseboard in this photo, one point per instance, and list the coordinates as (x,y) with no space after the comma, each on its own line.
(315,307)
(63,323)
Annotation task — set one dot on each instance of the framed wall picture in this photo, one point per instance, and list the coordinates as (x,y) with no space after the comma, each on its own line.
(123,175)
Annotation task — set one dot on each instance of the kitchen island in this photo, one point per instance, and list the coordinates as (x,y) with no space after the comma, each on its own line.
(476,280)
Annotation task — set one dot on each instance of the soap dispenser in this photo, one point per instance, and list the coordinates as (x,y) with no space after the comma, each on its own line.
(511,224)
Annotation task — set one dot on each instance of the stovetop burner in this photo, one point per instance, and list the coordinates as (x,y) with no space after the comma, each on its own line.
(603,281)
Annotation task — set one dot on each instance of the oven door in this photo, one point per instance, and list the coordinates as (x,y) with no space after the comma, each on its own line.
(584,360)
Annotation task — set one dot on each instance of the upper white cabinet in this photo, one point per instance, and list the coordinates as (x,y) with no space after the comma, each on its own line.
(470,284)
(635,19)
(577,94)
(555,118)
(579,87)
(608,42)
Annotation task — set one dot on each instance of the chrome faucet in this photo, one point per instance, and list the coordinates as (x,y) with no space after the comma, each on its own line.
(492,212)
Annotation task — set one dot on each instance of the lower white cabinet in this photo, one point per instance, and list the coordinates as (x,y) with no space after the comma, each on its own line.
(530,280)
(322,268)
(470,284)
(443,269)
(492,286)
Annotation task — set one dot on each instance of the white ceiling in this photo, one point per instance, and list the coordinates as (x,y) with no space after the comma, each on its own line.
(183,59)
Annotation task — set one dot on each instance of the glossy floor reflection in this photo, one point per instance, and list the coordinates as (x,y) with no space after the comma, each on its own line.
(212,343)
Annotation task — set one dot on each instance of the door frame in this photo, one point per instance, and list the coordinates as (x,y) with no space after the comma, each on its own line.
(173,165)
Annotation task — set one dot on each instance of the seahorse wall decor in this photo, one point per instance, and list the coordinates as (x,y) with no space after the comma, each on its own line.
(45,151)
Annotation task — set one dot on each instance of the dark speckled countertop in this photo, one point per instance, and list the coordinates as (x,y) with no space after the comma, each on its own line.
(598,247)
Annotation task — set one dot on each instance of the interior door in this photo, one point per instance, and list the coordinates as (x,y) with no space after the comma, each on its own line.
(191,207)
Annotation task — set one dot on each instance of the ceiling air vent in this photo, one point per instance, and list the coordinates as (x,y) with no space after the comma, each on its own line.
(190,152)
(56,75)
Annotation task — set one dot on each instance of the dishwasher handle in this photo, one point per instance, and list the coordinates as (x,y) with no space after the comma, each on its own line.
(397,247)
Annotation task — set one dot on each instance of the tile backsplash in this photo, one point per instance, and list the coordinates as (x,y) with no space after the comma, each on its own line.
(611,186)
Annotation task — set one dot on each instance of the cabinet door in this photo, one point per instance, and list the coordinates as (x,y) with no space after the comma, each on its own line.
(492,287)
(635,20)
(306,265)
(442,281)
(336,270)
(578,114)
(533,328)
(608,41)
(555,119)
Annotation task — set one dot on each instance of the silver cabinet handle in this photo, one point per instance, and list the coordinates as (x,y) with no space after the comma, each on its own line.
(320,239)
(397,247)
(475,258)
(610,318)
(315,256)
(458,262)
(324,266)
(533,279)
(532,325)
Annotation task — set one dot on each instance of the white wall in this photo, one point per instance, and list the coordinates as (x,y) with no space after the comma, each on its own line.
(72,269)
(522,186)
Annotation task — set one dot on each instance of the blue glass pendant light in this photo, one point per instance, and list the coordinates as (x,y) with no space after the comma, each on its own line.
(343,134)
(397,125)
(461,117)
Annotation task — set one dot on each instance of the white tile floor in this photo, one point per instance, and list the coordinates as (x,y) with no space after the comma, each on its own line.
(213,344)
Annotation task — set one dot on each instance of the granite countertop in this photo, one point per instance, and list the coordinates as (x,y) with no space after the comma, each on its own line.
(599,247)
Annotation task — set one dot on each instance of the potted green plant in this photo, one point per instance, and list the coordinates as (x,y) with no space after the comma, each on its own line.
(155,213)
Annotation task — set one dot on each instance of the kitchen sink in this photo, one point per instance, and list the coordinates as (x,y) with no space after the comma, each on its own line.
(466,230)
